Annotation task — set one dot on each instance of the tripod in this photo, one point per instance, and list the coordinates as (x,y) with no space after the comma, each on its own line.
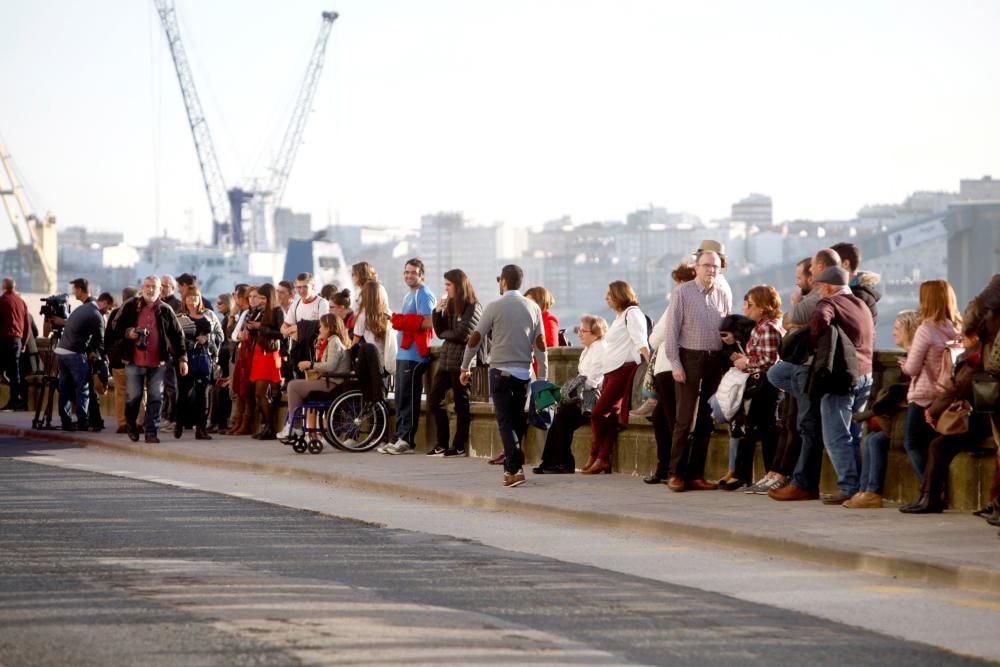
(48,390)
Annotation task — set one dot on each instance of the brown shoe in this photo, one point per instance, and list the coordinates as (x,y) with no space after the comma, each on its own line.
(676,483)
(837,498)
(863,501)
(701,484)
(792,492)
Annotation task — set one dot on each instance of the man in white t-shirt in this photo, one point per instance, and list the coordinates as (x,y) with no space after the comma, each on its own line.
(309,308)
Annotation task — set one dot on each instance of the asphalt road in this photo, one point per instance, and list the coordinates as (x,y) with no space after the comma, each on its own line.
(105,570)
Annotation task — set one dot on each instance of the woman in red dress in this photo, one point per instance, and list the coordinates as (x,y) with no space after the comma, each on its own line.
(265,370)
(241,386)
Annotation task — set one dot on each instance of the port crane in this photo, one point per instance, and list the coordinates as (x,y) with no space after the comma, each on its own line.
(229,206)
(38,247)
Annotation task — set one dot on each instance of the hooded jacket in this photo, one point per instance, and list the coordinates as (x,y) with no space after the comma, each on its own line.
(863,286)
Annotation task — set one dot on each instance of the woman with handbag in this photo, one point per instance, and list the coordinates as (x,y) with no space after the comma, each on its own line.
(627,344)
(265,369)
(762,304)
(332,357)
(936,336)
(957,428)
(578,398)
(202,338)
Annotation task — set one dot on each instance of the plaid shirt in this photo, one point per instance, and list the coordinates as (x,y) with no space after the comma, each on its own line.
(765,341)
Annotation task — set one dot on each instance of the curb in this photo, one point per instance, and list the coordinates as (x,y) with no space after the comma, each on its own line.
(963,577)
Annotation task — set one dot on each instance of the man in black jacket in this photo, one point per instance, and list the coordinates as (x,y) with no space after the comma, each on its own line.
(155,337)
(83,332)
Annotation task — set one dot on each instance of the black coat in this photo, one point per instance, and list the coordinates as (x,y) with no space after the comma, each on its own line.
(835,365)
(127,317)
(455,331)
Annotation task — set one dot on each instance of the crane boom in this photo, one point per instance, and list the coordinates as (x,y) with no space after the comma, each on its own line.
(282,165)
(211,173)
(39,253)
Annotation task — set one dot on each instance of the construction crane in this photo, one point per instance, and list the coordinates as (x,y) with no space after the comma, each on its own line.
(228,205)
(39,252)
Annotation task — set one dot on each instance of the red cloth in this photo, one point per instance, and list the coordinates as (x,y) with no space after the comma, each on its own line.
(14,319)
(551,325)
(266,365)
(150,357)
(411,325)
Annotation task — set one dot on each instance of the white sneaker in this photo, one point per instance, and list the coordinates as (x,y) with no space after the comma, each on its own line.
(285,431)
(399,447)
(381,449)
(351,443)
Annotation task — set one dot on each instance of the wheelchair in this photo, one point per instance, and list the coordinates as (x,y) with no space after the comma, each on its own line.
(340,417)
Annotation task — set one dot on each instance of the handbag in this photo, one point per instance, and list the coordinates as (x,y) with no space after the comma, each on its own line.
(199,362)
(986,393)
(648,379)
(954,420)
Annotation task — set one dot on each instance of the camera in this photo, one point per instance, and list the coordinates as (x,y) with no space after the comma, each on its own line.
(142,342)
(56,305)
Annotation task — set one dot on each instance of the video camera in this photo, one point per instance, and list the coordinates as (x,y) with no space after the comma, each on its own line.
(56,305)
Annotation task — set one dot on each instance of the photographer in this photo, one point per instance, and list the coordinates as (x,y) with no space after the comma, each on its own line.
(153,329)
(83,332)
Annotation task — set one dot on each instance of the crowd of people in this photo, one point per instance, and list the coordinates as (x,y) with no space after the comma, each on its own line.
(798,381)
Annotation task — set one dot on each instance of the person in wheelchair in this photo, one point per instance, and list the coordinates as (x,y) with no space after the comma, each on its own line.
(331,358)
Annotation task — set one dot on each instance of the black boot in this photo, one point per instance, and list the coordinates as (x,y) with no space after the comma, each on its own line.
(927,504)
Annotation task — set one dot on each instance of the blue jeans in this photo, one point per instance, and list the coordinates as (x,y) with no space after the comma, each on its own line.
(794,378)
(409,386)
(874,458)
(137,378)
(841,437)
(509,395)
(917,438)
(74,387)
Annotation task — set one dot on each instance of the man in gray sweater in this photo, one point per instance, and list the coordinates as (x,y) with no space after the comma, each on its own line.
(515,326)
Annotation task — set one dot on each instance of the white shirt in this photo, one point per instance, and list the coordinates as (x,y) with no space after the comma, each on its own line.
(300,311)
(657,339)
(625,338)
(591,364)
(365,333)
(291,306)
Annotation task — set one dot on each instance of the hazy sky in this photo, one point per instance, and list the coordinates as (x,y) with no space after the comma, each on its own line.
(522,110)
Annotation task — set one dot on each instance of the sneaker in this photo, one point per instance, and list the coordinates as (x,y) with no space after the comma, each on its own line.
(351,443)
(451,453)
(512,479)
(437,451)
(644,410)
(757,486)
(381,449)
(399,447)
(285,431)
(774,484)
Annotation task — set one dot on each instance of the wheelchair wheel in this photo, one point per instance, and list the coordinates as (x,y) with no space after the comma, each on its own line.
(299,446)
(354,426)
(315,446)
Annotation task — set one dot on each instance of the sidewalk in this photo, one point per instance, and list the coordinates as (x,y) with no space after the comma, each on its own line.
(951,549)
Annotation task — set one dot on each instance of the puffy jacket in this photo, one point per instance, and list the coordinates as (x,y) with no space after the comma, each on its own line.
(863,287)
(923,361)
(455,331)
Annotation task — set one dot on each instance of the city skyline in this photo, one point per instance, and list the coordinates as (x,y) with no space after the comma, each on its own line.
(521,112)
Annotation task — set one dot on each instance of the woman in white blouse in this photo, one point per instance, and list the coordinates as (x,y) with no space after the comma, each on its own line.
(627,345)
(557,457)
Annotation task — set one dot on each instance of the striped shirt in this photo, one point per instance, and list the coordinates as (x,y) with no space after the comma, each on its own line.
(693,319)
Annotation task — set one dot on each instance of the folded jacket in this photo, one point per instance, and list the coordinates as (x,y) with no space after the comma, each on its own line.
(410,325)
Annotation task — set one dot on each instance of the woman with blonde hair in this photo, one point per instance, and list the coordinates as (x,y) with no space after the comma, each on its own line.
(627,344)
(936,336)
(574,409)
(875,444)
(371,323)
